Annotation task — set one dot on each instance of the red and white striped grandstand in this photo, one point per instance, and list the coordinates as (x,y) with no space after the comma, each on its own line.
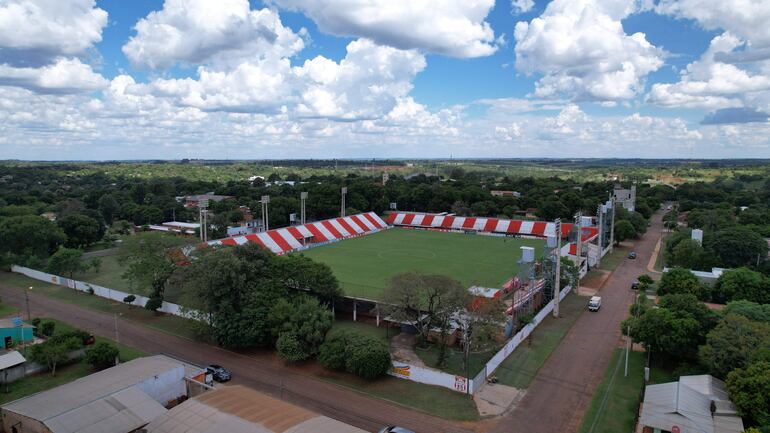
(284,240)
(490,225)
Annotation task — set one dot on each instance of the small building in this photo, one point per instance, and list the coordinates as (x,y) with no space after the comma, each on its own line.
(694,404)
(50,216)
(706,277)
(625,197)
(499,193)
(120,399)
(192,201)
(237,409)
(14,331)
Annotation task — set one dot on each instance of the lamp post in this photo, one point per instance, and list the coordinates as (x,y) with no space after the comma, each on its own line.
(344,192)
(26,299)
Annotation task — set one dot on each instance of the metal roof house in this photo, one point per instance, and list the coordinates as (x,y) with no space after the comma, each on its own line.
(237,409)
(694,404)
(120,399)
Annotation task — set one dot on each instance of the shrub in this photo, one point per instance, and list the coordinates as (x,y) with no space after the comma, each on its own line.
(153,303)
(36,322)
(129,299)
(47,328)
(290,348)
(332,353)
(367,357)
(53,352)
(102,355)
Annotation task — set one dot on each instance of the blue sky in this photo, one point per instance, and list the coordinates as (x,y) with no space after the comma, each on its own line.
(384,78)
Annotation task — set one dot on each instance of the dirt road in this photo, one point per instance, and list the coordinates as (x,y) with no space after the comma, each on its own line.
(558,397)
(256,371)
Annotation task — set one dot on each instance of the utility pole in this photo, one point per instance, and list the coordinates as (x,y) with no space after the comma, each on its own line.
(117,339)
(628,334)
(302,199)
(612,224)
(344,192)
(557,277)
(26,299)
(265,217)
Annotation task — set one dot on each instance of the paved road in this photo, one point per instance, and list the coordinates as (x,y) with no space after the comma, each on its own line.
(257,371)
(560,394)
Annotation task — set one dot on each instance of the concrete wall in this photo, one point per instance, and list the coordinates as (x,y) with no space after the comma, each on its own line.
(166,386)
(29,368)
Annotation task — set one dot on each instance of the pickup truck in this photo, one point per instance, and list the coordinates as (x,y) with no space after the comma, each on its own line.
(595,303)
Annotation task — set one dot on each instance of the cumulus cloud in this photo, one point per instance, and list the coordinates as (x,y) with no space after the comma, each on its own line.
(522,6)
(199,31)
(582,51)
(734,115)
(63,76)
(448,27)
(710,83)
(33,32)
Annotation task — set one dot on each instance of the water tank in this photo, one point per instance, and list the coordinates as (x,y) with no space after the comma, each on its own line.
(527,254)
(550,242)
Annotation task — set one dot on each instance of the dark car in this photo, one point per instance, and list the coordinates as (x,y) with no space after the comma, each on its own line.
(635,285)
(395,429)
(219,373)
(632,255)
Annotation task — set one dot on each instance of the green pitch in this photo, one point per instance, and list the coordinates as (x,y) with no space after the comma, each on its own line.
(365,264)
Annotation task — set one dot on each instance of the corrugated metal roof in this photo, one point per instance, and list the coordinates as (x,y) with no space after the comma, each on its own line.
(687,404)
(11,359)
(236,409)
(48,404)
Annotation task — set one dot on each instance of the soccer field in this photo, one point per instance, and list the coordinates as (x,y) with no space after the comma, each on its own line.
(365,264)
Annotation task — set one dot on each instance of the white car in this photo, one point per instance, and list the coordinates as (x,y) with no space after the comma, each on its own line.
(595,303)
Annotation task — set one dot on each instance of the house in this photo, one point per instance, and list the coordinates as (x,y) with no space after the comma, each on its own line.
(120,399)
(694,404)
(237,409)
(180,228)
(50,216)
(14,331)
(499,193)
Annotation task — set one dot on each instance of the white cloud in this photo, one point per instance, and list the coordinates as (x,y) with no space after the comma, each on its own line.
(748,19)
(449,27)
(710,83)
(199,31)
(63,76)
(582,51)
(522,6)
(33,32)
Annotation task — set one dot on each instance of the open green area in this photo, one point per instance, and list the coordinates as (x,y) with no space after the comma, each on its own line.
(616,401)
(615,258)
(7,310)
(454,361)
(67,373)
(110,275)
(163,322)
(378,332)
(433,400)
(365,264)
(522,365)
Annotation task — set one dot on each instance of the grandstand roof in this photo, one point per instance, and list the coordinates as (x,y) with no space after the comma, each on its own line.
(284,240)
(490,225)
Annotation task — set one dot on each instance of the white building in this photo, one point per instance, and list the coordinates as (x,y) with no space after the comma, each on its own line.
(625,197)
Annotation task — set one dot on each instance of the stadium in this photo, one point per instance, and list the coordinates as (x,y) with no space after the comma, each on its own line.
(364,251)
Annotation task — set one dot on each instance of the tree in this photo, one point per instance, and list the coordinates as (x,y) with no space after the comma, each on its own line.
(47,328)
(690,254)
(423,300)
(638,221)
(102,355)
(333,352)
(750,310)
(53,352)
(108,207)
(679,281)
(81,230)
(624,230)
(129,300)
(290,349)
(570,274)
(737,246)
(305,318)
(732,344)
(749,390)
(367,357)
(742,284)
(30,235)
(153,303)
(148,262)
(300,273)
(66,261)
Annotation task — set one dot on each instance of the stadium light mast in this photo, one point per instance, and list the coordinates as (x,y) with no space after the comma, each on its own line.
(557,277)
(302,199)
(579,247)
(265,218)
(202,205)
(344,192)
(612,223)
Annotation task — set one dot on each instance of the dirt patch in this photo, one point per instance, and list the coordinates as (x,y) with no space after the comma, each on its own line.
(402,348)
(594,279)
(496,399)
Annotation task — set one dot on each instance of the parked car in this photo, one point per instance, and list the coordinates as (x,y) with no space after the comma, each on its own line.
(635,285)
(395,429)
(595,303)
(219,373)
(632,255)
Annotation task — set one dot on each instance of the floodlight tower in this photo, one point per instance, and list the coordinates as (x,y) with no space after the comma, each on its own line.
(344,192)
(203,216)
(265,218)
(579,246)
(557,275)
(612,222)
(302,199)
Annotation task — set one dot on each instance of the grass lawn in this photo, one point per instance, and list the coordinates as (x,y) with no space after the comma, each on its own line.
(380,333)
(7,310)
(454,362)
(110,275)
(365,264)
(44,381)
(164,322)
(616,402)
(522,365)
(613,259)
(433,400)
